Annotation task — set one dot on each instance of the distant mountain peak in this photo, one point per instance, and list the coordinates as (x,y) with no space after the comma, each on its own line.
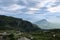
(43,24)
(43,20)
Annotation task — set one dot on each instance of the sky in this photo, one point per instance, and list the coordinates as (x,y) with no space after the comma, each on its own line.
(32,10)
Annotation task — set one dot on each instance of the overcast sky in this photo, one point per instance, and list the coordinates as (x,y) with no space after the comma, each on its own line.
(32,10)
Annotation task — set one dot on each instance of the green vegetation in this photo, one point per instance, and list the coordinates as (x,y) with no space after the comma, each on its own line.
(11,23)
(11,36)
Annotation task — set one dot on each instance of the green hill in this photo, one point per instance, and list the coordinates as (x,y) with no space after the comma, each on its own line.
(11,23)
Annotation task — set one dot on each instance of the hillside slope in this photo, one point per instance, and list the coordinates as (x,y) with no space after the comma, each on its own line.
(11,23)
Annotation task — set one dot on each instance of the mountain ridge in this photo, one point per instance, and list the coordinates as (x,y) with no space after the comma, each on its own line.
(11,23)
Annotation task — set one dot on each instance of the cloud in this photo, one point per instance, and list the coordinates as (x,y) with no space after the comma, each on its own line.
(54,9)
(44,3)
(13,7)
(39,6)
(15,0)
(31,10)
(32,5)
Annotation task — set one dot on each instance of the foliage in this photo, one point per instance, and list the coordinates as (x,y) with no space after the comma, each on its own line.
(11,23)
(11,36)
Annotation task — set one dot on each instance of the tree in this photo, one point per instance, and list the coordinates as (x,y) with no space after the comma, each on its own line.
(11,36)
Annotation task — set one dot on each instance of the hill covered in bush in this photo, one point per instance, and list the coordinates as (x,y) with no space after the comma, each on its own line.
(11,23)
